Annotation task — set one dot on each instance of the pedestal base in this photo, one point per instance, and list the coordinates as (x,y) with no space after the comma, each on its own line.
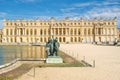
(54,59)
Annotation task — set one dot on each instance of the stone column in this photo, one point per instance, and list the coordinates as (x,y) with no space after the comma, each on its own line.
(101,31)
(105,31)
(109,31)
(18,31)
(25,31)
(22,31)
(87,31)
(62,31)
(66,31)
(97,31)
(46,32)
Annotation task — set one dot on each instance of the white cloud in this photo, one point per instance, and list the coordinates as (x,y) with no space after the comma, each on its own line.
(71,14)
(105,3)
(2,14)
(110,3)
(83,4)
(67,9)
(105,12)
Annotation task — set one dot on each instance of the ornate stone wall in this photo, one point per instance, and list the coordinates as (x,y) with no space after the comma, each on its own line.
(67,30)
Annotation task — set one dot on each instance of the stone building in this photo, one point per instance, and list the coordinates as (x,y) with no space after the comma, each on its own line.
(0,35)
(67,30)
(118,32)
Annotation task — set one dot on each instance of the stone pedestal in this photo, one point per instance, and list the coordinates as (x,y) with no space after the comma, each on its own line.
(118,44)
(54,59)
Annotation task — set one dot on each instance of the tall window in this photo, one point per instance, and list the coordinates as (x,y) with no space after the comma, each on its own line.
(71,39)
(60,39)
(48,31)
(99,31)
(79,32)
(7,24)
(64,39)
(41,32)
(45,39)
(35,32)
(88,31)
(71,31)
(10,31)
(44,31)
(31,32)
(75,31)
(75,39)
(84,31)
(7,31)
(64,31)
(27,32)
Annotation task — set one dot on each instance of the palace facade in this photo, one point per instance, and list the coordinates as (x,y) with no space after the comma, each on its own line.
(118,34)
(67,30)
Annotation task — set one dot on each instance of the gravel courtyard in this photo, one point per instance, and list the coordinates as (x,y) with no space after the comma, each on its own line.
(107,67)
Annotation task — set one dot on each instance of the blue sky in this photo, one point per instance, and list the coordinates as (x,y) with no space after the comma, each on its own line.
(31,9)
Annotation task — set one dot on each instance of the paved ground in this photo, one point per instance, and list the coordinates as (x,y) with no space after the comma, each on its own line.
(107,67)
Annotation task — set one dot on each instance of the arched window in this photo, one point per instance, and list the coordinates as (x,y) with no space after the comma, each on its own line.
(75,31)
(75,39)
(99,31)
(20,39)
(31,32)
(64,40)
(84,31)
(112,23)
(7,24)
(35,32)
(41,40)
(11,40)
(21,31)
(60,39)
(92,31)
(79,32)
(88,31)
(48,31)
(7,31)
(71,31)
(15,39)
(41,32)
(27,32)
(10,31)
(64,31)
(79,39)
(60,31)
(44,39)
(56,31)
(44,31)
(71,39)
